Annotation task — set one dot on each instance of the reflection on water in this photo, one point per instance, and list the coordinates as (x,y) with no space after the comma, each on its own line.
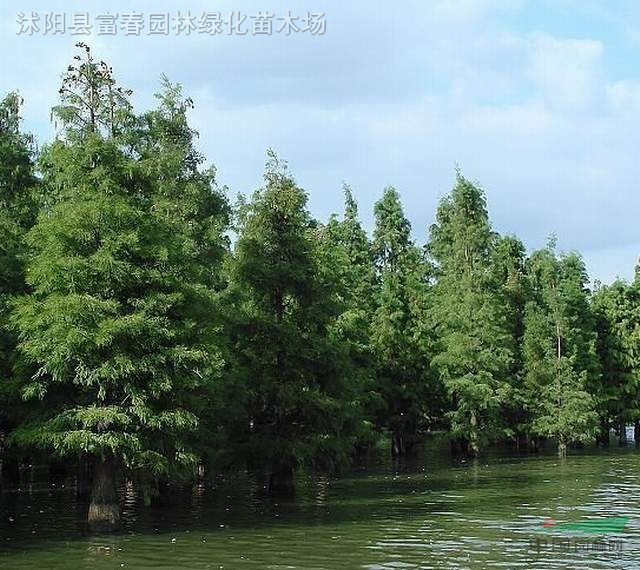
(435,512)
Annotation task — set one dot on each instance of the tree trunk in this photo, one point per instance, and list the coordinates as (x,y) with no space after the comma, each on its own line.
(603,437)
(398,445)
(2,440)
(83,480)
(459,446)
(622,438)
(562,448)
(636,432)
(281,481)
(104,511)
(474,436)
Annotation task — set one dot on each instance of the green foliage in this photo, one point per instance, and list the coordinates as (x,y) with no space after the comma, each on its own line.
(475,344)
(121,299)
(560,348)
(400,328)
(137,337)
(565,409)
(347,254)
(18,209)
(91,101)
(508,262)
(299,403)
(617,310)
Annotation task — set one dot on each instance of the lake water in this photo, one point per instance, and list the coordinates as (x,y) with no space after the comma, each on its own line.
(434,512)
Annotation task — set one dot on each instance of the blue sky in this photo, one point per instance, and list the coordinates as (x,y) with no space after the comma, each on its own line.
(538,101)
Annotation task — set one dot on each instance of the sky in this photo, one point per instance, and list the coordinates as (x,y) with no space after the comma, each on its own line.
(537,101)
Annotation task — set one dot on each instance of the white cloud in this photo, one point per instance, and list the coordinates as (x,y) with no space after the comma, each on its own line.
(624,96)
(567,72)
(398,97)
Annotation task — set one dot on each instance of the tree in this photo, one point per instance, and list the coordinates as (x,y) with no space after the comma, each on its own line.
(617,311)
(300,405)
(475,343)
(18,209)
(399,342)
(560,349)
(183,190)
(508,261)
(91,100)
(348,236)
(349,254)
(118,302)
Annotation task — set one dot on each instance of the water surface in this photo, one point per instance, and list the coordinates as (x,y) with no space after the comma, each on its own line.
(434,512)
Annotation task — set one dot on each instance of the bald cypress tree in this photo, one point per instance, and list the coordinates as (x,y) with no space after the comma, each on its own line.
(301,408)
(560,349)
(18,210)
(350,256)
(617,312)
(508,261)
(118,294)
(475,343)
(402,355)
(349,235)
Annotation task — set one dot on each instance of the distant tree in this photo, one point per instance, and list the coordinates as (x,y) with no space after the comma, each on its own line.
(300,404)
(476,347)
(617,310)
(560,349)
(114,318)
(349,235)
(348,251)
(401,346)
(508,261)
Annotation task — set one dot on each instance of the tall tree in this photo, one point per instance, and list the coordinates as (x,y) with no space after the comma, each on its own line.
(508,261)
(186,192)
(349,236)
(18,209)
(560,349)
(399,342)
(114,318)
(299,401)
(617,310)
(476,346)
(348,251)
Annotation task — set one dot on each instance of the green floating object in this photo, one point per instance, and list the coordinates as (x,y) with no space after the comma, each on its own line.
(603,525)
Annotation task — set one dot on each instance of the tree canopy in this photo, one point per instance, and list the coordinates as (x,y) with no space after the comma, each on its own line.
(154,332)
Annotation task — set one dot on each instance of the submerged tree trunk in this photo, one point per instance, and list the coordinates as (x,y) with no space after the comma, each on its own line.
(603,436)
(104,511)
(474,436)
(2,440)
(459,446)
(404,437)
(622,437)
(281,482)
(83,480)
(562,448)
(398,444)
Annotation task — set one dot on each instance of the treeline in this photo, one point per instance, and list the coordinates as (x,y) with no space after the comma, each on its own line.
(139,340)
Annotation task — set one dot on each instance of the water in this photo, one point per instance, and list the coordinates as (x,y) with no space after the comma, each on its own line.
(436,512)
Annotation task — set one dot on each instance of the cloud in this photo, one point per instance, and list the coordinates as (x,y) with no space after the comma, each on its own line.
(566,72)
(624,96)
(544,116)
